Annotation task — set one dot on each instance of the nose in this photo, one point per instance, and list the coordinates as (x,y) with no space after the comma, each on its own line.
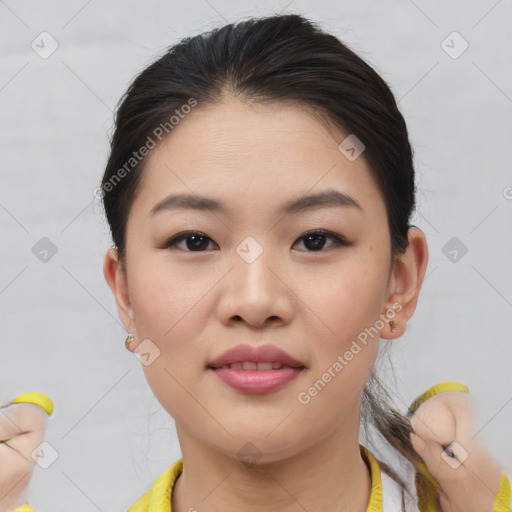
(256,291)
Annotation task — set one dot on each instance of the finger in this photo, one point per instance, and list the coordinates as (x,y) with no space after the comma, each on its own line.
(435,422)
(14,435)
(13,450)
(20,418)
(9,425)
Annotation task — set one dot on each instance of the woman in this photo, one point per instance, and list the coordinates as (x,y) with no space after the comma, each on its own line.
(259,190)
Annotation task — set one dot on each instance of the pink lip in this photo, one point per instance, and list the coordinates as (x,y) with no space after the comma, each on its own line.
(256,381)
(260,354)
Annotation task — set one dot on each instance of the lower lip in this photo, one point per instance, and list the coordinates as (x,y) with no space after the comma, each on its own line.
(257,381)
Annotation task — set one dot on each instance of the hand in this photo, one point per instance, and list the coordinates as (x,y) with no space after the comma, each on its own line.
(445,439)
(22,427)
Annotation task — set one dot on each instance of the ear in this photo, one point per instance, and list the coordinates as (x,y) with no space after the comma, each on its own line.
(405,281)
(115,275)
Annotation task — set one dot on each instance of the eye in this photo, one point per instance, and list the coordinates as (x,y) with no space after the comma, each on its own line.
(315,240)
(195,241)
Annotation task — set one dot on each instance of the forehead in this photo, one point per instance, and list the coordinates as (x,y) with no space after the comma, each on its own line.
(254,155)
(235,130)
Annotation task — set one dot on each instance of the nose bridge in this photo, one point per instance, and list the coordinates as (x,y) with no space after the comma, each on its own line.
(251,261)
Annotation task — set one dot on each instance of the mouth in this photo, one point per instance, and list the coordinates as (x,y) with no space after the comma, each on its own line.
(255,358)
(256,370)
(256,366)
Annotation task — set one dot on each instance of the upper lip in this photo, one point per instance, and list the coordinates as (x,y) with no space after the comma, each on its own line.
(259,354)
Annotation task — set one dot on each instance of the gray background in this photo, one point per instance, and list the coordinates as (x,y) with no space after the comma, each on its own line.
(60,331)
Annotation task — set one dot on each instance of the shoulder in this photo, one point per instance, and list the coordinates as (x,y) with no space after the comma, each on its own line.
(158,497)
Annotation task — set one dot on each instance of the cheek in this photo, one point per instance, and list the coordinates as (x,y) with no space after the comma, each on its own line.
(166,316)
(348,299)
(164,301)
(170,312)
(344,353)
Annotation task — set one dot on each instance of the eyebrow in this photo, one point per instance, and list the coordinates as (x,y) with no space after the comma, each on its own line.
(326,199)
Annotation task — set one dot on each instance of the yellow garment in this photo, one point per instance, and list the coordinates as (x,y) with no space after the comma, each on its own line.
(436,389)
(503,500)
(158,497)
(35,397)
(26,507)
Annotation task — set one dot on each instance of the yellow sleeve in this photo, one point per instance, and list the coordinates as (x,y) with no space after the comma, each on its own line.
(142,504)
(436,390)
(35,397)
(503,499)
(26,507)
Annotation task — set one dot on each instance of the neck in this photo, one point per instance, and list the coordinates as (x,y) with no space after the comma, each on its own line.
(330,475)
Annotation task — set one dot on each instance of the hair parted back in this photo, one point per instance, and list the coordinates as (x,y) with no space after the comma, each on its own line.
(283,58)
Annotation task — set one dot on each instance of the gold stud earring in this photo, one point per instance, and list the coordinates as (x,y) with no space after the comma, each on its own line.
(128,340)
(392,325)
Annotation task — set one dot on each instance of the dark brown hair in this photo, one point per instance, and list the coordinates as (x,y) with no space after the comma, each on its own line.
(260,60)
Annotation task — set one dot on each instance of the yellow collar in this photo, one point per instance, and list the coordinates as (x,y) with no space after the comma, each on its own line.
(158,498)
(375,503)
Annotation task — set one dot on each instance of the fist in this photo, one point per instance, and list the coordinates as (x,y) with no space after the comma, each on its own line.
(445,436)
(22,427)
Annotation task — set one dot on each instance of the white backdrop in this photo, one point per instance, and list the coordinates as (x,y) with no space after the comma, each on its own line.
(60,333)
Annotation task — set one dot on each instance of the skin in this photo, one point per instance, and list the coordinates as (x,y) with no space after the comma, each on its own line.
(22,428)
(194,305)
(470,480)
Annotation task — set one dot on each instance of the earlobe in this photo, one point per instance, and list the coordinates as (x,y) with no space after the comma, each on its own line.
(116,280)
(406,280)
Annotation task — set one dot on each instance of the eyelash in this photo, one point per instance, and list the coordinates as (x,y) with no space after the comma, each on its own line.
(338,240)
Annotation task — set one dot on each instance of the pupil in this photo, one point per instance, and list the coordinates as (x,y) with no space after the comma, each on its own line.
(196,242)
(318,241)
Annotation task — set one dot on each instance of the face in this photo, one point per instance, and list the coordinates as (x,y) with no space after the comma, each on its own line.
(311,281)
